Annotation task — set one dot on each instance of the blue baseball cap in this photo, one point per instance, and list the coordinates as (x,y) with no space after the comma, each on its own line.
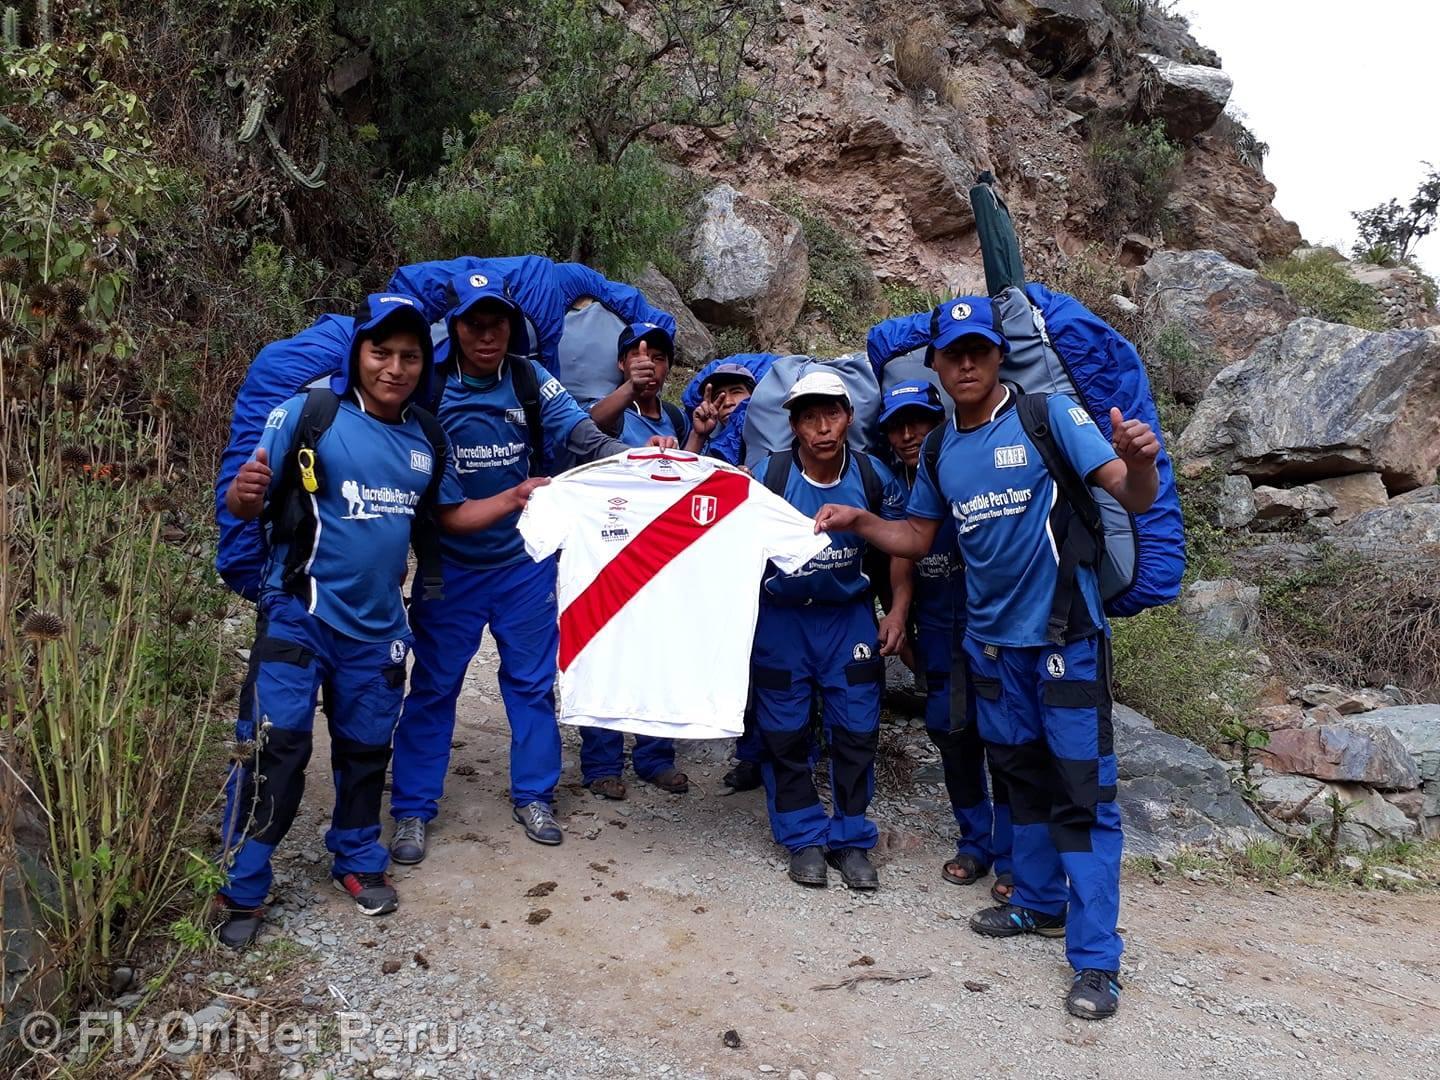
(467,290)
(962,317)
(910,395)
(648,332)
(379,309)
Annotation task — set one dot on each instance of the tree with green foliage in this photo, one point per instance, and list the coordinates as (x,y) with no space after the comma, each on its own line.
(1394,229)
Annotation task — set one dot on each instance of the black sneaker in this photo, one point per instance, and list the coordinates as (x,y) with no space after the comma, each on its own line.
(807,866)
(373,894)
(407,847)
(239,926)
(745,776)
(854,866)
(1007,920)
(1094,995)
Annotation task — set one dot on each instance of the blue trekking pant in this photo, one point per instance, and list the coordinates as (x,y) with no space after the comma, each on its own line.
(518,603)
(295,654)
(602,754)
(951,724)
(1045,716)
(831,650)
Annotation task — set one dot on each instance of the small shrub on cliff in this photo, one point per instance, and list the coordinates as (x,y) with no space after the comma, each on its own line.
(842,286)
(1135,167)
(1323,289)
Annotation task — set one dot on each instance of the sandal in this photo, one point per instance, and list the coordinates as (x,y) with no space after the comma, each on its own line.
(672,780)
(969,870)
(609,787)
(1005,882)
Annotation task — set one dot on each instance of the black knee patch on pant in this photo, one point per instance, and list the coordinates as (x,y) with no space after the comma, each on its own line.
(1105,708)
(1028,778)
(852,755)
(275,784)
(789,755)
(963,761)
(1076,796)
(765,678)
(360,782)
(864,672)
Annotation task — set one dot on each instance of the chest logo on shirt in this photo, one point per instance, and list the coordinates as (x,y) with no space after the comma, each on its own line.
(1011,457)
(382,501)
(703,508)
(1055,665)
(861,651)
(478,281)
(421,461)
(515,416)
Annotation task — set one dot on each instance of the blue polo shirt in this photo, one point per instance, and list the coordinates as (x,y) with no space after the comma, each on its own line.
(940,576)
(639,429)
(487,427)
(373,476)
(994,484)
(837,574)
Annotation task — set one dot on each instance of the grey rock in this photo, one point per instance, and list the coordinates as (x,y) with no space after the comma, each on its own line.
(1225,609)
(1354,494)
(1399,528)
(694,343)
(1370,822)
(1234,503)
(1225,310)
(1430,493)
(212,1016)
(1417,729)
(1344,702)
(751,263)
(1351,751)
(1320,399)
(1292,506)
(1174,793)
(1188,98)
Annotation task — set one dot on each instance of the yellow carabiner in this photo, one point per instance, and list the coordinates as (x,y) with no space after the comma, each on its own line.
(305,458)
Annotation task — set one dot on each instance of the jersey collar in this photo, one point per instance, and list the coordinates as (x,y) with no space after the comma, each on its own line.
(1006,403)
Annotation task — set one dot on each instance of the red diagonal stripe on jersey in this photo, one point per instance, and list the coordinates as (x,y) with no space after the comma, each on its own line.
(642,558)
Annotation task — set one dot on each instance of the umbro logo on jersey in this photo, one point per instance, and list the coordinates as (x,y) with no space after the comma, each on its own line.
(1055,665)
(1080,416)
(1010,457)
(551,388)
(515,416)
(618,503)
(421,462)
(702,509)
(276,418)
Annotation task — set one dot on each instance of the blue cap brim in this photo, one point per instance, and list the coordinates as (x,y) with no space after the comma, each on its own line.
(956,331)
(395,313)
(912,403)
(511,308)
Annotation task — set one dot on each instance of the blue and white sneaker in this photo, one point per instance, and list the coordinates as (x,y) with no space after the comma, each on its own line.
(1094,995)
(1007,920)
(540,824)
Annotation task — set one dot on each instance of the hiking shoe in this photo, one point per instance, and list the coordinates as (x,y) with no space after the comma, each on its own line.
(854,866)
(745,776)
(807,866)
(1094,995)
(240,926)
(373,894)
(1007,920)
(540,824)
(407,847)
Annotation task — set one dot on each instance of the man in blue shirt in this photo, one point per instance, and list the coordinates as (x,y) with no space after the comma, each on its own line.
(816,633)
(1043,705)
(489,579)
(911,410)
(363,481)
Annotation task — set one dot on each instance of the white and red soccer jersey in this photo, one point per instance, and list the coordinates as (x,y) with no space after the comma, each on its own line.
(660,587)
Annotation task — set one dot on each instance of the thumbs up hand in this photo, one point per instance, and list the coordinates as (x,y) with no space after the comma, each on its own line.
(251,483)
(1134,441)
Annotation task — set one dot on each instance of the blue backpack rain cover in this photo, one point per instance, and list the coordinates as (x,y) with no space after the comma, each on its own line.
(767,424)
(1057,345)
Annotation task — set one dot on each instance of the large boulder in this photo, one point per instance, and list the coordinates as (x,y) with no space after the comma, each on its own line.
(1348,751)
(1354,494)
(1175,794)
(1417,729)
(751,265)
(1234,502)
(1286,507)
(1187,98)
(1224,610)
(1220,204)
(1063,36)
(1368,822)
(1225,310)
(1321,399)
(1401,528)
(694,343)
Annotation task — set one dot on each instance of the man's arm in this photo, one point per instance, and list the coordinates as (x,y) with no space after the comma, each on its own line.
(588,443)
(472,515)
(908,538)
(902,591)
(609,412)
(1132,477)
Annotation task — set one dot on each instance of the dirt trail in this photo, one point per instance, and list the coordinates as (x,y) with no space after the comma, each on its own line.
(671,920)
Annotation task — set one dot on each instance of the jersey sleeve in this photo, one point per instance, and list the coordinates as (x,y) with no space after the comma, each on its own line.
(546,521)
(1079,438)
(925,498)
(450,493)
(277,438)
(892,494)
(559,413)
(787,536)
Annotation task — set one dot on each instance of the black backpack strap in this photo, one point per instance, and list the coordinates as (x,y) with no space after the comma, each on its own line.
(875,563)
(1075,522)
(292,514)
(777,471)
(930,454)
(677,418)
(424,531)
(870,481)
(527,391)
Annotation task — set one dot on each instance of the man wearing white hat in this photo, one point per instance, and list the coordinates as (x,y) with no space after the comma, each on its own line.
(817,634)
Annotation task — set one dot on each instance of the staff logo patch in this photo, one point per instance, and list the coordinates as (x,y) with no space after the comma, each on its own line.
(702,509)
(961,312)
(515,416)
(861,651)
(478,281)
(421,462)
(397,651)
(1011,457)
(1055,665)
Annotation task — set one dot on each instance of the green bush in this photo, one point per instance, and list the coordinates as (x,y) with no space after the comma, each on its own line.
(899,298)
(1135,167)
(1323,289)
(842,287)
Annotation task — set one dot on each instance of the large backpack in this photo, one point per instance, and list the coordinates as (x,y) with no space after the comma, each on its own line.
(290,512)
(767,423)
(728,443)
(1057,345)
